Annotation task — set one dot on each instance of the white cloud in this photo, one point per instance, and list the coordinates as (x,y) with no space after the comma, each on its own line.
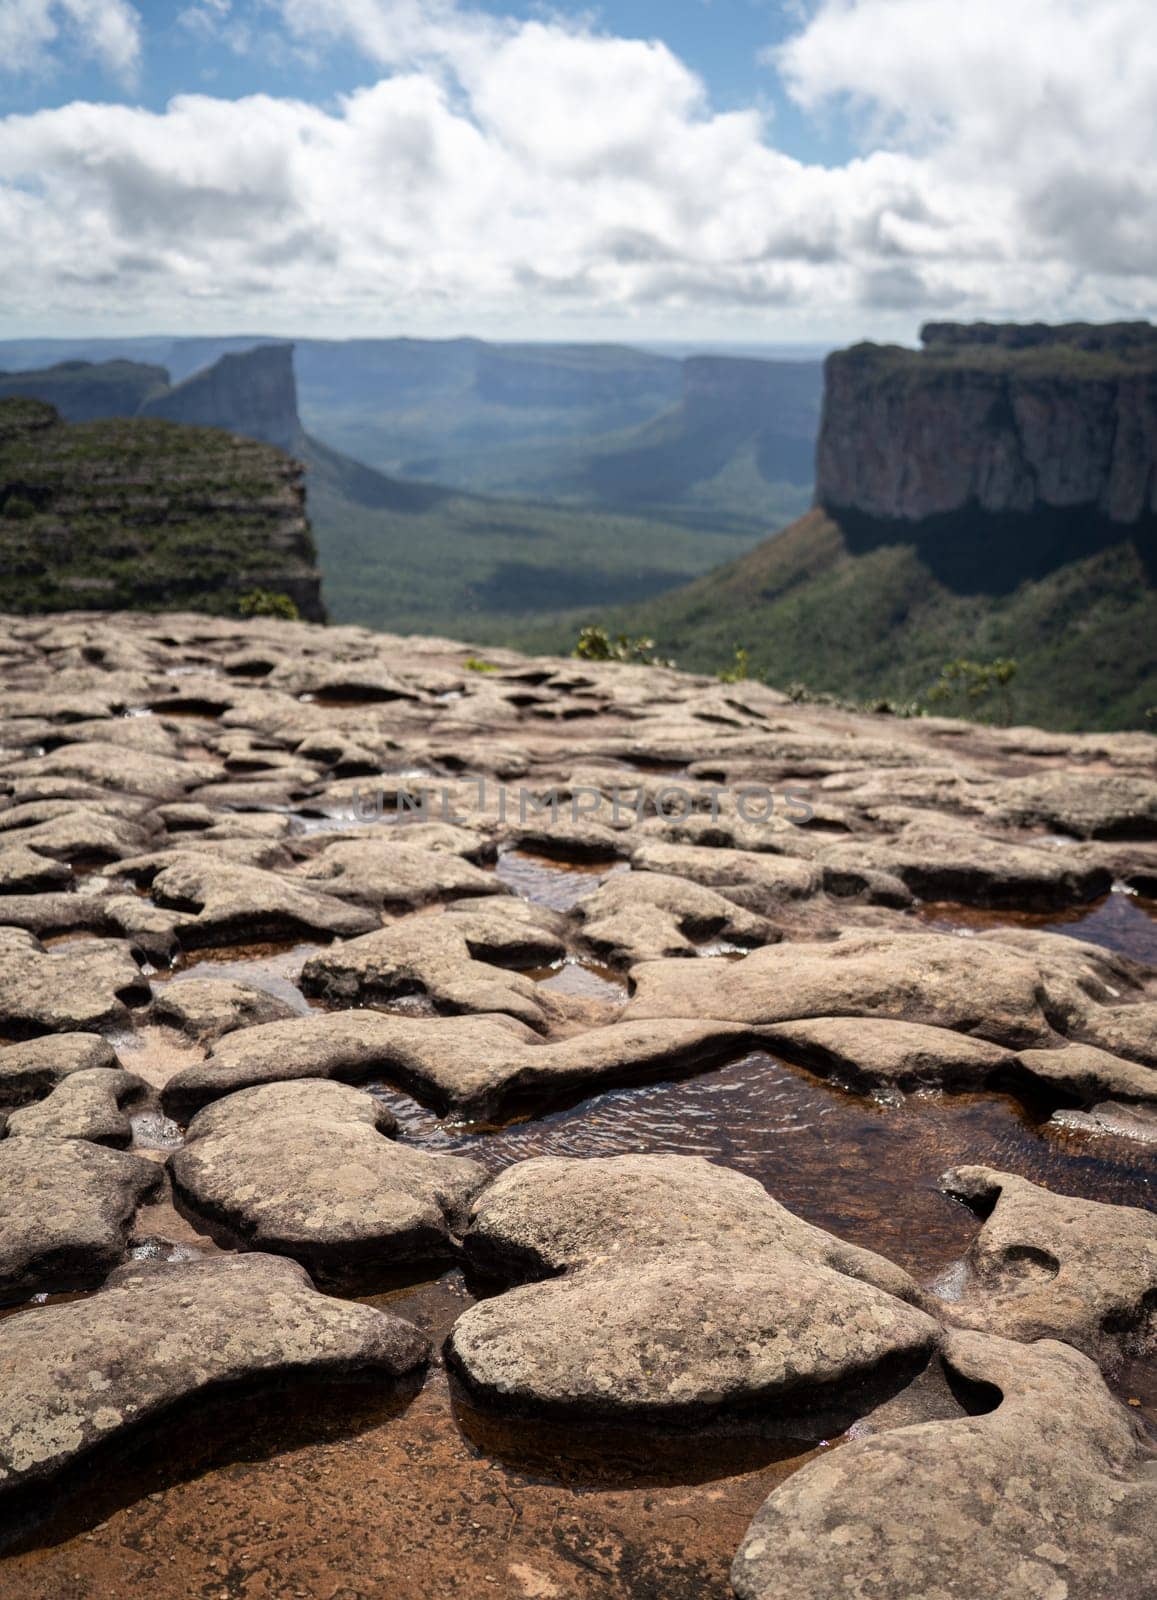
(32,31)
(541,176)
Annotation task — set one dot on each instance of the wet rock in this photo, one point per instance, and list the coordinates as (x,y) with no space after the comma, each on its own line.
(31,1070)
(1110,1119)
(394,873)
(555,1214)
(974,988)
(1110,805)
(67,1207)
(942,861)
(640,916)
(760,882)
(1083,1073)
(474,1065)
(73,1377)
(1047,1266)
(228,903)
(93,1105)
(684,1338)
(207,1008)
(25,871)
(1040,1495)
(303,1169)
(452,960)
(866,1052)
(51,991)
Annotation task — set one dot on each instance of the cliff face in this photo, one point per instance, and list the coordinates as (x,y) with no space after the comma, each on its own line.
(253,393)
(142,513)
(999,419)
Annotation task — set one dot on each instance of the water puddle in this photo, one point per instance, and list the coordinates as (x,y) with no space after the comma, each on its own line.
(558,885)
(862,1168)
(1121,921)
(273,968)
(585,979)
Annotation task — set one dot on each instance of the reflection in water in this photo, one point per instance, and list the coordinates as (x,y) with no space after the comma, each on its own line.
(1120,921)
(587,979)
(273,968)
(863,1168)
(546,882)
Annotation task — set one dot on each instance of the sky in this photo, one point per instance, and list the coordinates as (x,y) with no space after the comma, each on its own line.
(752,171)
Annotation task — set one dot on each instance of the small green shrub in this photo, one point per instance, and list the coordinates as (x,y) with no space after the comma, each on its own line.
(596,644)
(476,664)
(268,603)
(738,671)
(18,508)
(974,682)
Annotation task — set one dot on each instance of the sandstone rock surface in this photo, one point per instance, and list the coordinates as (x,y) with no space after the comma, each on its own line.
(304,1169)
(67,1208)
(73,1377)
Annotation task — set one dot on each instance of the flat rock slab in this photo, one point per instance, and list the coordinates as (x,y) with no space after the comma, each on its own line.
(643,916)
(687,1338)
(1129,1031)
(475,1066)
(25,871)
(555,1214)
(117,767)
(30,1070)
(76,1376)
(394,873)
(1049,1495)
(205,1009)
(231,903)
(686,1293)
(93,1105)
(1110,805)
(66,1211)
(871,1052)
(304,1169)
(1047,1266)
(938,861)
(1086,1074)
(995,993)
(758,881)
(454,961)
(57,991)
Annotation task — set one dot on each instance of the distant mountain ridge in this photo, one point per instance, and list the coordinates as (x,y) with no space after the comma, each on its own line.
(604,425)
(252,393)
(413,555)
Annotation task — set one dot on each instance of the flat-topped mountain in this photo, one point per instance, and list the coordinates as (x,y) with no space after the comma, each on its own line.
(993,495)
(999,419)
(142,512)
(251,392)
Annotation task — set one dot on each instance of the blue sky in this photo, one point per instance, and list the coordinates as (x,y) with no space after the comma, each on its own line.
(750,170)
(724,41)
